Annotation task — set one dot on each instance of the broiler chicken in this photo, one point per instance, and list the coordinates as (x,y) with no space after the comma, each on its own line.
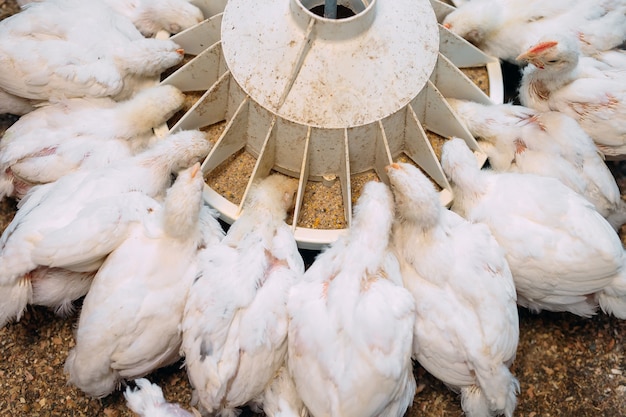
(614,59)
(58,288)
(235,319)
(280,397)
(80,133)
(351,321)
(76,48)
(148,401)
(75,222)
(505,28)
(563,254)
(151,16)
(130,319)
(10,104)
(466,329)
(550,144)
(557,80)
(605,33)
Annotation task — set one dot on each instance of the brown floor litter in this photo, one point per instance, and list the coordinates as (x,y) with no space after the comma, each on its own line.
(567,366)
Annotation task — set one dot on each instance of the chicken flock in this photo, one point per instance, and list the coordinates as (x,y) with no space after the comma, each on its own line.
(101,217)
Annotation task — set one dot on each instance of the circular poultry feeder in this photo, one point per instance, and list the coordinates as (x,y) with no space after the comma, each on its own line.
(326,101)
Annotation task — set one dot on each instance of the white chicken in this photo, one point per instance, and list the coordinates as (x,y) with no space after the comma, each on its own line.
(75,222)
(62,137)
(351,321)
(148,401)
(235,320)
(151,16)
(563,254)
(504,28)
(491,122)
(467,328)
(550,144)
(129,322)
(494,25)
(58,288)
(615,59)
(76,48)
(10,104)
(557,81)
(280,397)
(604,33)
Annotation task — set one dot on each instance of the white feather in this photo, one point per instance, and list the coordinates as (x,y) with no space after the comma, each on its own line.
(235,320)
(550,144)
(76,48)
(351,321)
(148,401)
(75,222)
(130,319)
(558,80)
(82,133)
(466,329)
(505,28)
(561,251)
(151,16)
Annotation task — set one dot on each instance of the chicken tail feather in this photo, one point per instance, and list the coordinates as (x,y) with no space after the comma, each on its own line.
(612,299)
(15,297)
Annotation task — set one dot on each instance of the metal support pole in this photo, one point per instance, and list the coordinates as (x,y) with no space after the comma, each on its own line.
(330,9)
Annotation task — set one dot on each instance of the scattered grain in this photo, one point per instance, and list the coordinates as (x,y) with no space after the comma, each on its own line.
(436,141)
(214,131)
(171,70)
(231,177)
(405,159)
(479,76)
(191,97)
(358,181)
(322,207)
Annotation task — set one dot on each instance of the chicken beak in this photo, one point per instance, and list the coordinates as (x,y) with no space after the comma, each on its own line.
(391,167)
(525,56)
(195,169)
(532,55)
(447,26)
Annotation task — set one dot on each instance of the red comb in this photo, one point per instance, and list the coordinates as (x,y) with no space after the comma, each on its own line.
(540,47)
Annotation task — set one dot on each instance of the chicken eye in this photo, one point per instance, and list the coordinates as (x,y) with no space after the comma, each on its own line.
(552,61)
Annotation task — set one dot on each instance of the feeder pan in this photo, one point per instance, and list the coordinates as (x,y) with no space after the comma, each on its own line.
(326,100)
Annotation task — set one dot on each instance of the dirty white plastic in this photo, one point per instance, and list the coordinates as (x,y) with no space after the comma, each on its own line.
(330,73)
(318,98)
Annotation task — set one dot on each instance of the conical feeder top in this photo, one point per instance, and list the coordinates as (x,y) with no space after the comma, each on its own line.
(331,73)
(329,102)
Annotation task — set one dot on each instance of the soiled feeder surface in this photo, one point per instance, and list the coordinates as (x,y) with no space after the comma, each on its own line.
(322,203)
(307,97)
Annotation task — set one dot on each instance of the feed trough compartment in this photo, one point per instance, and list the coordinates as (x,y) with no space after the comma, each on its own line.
(329,102)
